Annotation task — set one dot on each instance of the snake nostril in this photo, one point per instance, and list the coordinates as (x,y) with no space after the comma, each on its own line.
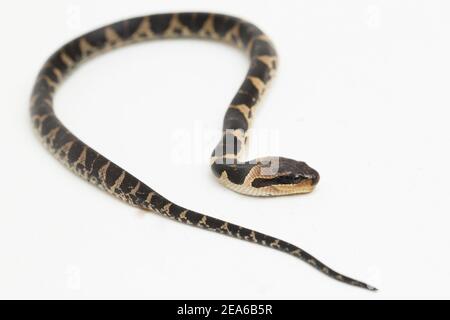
(315,179)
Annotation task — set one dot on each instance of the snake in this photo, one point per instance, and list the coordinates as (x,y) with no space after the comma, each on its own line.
(266,176)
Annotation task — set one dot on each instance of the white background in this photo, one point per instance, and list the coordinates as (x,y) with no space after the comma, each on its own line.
(362,95)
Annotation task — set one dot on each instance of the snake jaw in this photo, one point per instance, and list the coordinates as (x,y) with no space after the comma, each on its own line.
(305,186)
(313,176)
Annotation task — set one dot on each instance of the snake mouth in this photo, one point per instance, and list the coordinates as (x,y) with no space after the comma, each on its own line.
(314,177)
(306,186)
(279,186)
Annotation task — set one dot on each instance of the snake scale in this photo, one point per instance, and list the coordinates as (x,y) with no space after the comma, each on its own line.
(270,176)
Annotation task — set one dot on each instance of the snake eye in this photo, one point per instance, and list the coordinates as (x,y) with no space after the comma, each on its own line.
(298,178)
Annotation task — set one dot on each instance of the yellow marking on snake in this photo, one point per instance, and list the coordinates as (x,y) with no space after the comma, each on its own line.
(233,35)
(102,172)
(58,74)
(67,60)
(144,30)
(202,222)
(135,189)
(183,216)
(118,182)
(52,135)
(50,82)
(166,209)
(82,158)
(112,38)
(149,197)
(261,37)
(224,227)
(86,48)
(65,149)
(258,84)
(244,109)
(208,28)
(269,61)
(40,119)
(176,25)
(275,244)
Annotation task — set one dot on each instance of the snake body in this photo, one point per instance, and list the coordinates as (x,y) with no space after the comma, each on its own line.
(260,177)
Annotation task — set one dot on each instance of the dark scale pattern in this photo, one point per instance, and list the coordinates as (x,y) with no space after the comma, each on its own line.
(262,48)
(141,196)
(260,70)
(91,155)
(128,183)
(175,211)
(72,49)
(158,202)
(236,173)
(46,73)
(127,28)
(160,23)
(112,174)
(248,88)
(96,38)
(97,169)
(62,137)
(234,119)
(194,217)
(49,124)
(193,21)
(223,24)
(75,151)
(230,144)
(248,31)
(244,98)
(41,107)
(57,62)
(42,89)
(98,163)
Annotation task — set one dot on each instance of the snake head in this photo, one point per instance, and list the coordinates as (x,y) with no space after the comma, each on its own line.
(282,176)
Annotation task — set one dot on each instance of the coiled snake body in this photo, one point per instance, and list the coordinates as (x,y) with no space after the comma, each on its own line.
(260,177)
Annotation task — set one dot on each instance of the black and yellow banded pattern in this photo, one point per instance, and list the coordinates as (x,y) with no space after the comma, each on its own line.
(97,169)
